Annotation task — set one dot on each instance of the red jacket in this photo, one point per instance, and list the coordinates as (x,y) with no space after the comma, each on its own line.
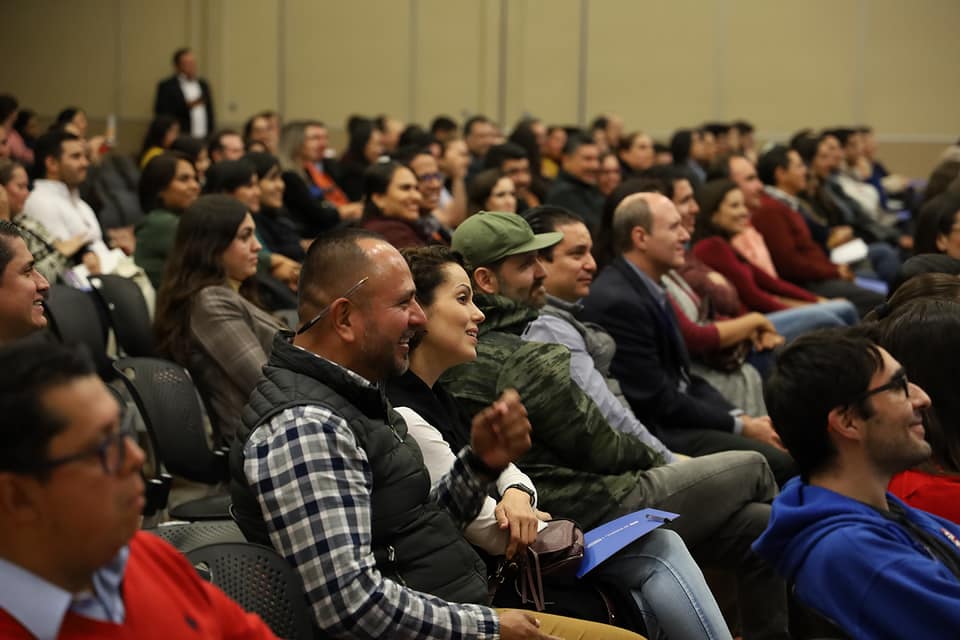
(756,287)
(164,598)
(796,256)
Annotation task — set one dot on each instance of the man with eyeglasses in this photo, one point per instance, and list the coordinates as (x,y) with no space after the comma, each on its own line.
(72,563)
(869,563)
(433,220)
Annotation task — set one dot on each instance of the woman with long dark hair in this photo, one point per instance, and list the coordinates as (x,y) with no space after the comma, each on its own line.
(364,148)
(168,185)
(491,190)
(792,310)
(391,205)
(655,575)
(161,133)
(207,316)
(238,178)
(276,230)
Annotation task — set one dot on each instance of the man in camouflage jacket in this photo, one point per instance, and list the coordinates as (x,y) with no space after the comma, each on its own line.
(582,467)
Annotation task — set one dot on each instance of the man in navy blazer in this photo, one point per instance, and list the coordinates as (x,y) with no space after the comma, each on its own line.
(651,363)
(186,97)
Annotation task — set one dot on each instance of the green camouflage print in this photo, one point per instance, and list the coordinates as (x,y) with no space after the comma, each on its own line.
(582,467)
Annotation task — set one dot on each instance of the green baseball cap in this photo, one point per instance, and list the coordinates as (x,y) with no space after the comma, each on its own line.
(489,236)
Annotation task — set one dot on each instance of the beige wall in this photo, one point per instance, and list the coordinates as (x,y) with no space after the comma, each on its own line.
(661,65)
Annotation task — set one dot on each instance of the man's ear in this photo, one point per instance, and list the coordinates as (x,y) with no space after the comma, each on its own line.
(639,237)
(845,423)
(778,173)
(18,496)
(486,280)
(344,315)
(52,165)
(941,243)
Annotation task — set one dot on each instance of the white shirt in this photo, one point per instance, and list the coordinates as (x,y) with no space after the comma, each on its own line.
(483,531)
(64,214)
(198,114)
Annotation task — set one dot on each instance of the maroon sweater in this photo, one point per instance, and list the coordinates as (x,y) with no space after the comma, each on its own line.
(757,289)
(795,255)
(164,598)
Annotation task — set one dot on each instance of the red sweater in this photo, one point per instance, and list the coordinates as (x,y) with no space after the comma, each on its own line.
(756,287)
(164,598)
(939,495)
(797,257)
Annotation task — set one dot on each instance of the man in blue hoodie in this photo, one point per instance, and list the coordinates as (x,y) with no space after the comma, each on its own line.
(856,554)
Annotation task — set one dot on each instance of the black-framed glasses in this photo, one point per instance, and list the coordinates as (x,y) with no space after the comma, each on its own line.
(326,309)
(430,177)
(112,450)
(898,381)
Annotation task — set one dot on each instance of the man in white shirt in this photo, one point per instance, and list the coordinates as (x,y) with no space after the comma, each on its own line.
(61,165)
(186,96)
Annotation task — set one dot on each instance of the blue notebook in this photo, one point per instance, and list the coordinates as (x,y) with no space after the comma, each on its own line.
(607,539)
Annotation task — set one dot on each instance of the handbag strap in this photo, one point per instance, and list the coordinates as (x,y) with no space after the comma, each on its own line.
(531,581)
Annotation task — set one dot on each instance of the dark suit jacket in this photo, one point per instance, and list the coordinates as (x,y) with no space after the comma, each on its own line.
(651,358)
(170,100)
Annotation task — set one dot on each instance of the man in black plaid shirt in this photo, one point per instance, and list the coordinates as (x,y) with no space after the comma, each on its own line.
(329,478)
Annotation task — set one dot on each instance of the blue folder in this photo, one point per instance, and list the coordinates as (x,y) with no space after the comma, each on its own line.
(607,539)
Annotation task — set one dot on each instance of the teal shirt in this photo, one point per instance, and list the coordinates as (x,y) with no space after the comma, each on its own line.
(155,235)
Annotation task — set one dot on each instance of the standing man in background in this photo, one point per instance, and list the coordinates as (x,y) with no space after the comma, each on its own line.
(186,96)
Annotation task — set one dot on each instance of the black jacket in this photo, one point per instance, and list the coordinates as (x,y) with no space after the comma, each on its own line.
(170,101)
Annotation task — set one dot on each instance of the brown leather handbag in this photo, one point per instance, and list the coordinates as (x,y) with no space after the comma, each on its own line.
(555,554)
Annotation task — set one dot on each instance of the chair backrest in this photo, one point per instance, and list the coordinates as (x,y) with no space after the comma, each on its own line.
(75,319)
(124,305)
(174,416)
(115,186)
(187,536)
(261,581)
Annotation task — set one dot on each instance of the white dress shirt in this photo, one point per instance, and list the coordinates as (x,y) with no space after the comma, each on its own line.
(198,114)
(64,213)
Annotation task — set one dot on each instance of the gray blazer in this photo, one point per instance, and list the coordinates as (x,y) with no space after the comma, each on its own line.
(232,341)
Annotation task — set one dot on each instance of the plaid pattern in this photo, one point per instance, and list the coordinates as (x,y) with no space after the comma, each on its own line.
(49,262)
(314,484)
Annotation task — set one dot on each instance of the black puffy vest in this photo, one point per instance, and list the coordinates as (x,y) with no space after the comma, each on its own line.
(415,542)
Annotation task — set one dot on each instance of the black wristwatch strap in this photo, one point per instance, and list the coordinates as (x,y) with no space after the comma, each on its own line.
(526,490)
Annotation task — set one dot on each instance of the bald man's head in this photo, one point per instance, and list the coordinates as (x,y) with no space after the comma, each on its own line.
(647,226)
(334,264)
(636,210)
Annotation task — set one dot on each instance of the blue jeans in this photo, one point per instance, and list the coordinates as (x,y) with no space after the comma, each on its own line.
(791,323)
(667,586)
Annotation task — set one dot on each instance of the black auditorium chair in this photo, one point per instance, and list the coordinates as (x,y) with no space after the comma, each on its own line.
(187,536)
(176,421)
(261,581)
(122,302)
(75,319)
